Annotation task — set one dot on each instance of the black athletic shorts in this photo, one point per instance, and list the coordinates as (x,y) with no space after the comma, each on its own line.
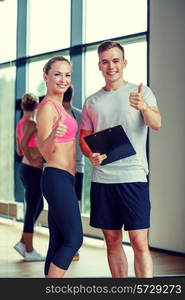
(114,206)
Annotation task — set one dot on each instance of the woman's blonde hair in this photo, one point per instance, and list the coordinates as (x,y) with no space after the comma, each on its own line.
(52,60)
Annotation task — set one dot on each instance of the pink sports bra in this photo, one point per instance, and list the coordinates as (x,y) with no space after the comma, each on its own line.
(31,142)
(69,121)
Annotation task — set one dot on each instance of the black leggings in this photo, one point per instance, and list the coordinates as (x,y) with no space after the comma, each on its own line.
(31,178)
(64,220)
(79,185)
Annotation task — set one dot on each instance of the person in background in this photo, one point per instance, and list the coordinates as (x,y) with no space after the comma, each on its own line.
(30,174)
(56,138)
(119,190)
(76,113)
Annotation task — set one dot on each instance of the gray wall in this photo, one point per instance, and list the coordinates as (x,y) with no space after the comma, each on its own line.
(167,147)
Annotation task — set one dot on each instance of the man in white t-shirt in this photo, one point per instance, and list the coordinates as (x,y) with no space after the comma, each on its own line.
(119,190)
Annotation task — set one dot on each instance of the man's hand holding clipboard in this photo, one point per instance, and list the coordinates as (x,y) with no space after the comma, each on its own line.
(97,158)
(109,145)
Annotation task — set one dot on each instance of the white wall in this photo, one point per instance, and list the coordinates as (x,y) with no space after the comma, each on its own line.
(167,147)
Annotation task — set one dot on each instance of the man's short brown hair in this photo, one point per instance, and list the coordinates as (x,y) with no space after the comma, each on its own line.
(109,45)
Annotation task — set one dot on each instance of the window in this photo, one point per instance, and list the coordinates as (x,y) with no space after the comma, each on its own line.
(7,110)
(36,83)
(92,71)
(108,19)
(136,56)
(8,24)
(49,25)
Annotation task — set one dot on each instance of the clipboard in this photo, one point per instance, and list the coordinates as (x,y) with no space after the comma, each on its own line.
(113,142)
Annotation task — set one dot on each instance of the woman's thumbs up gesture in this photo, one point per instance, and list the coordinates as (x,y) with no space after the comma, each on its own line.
(60,128)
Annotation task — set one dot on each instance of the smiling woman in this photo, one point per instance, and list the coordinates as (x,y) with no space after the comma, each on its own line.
(56,140)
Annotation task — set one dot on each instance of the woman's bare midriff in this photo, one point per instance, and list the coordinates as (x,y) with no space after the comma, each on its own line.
(63,157)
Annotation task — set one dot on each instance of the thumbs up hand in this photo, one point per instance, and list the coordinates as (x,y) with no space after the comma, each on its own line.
(136,99)
(60,129)
(140,88)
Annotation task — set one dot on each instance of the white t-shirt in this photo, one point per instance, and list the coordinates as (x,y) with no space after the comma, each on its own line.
(106,109)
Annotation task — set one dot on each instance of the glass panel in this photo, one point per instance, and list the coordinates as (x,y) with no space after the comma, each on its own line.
(49,27)
(136,72)
(8,24)
(7,110)
(136,56)
(92,71)
(36,83)
(107,19)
